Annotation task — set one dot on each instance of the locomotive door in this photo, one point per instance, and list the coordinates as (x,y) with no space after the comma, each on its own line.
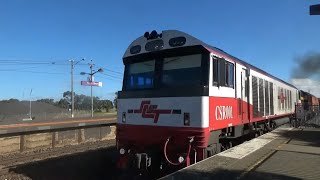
(245,104)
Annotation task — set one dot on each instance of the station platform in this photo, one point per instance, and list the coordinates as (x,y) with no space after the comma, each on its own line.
(285,153)
(10,129)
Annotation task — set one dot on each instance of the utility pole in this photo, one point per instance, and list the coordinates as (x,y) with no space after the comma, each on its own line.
(91,80)
(30,105)
(72,93)
(72,97)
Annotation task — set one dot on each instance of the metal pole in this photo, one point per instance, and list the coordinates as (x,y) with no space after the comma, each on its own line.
(30,104)
(91,102)
(72,96)
(91,75)
(30,109)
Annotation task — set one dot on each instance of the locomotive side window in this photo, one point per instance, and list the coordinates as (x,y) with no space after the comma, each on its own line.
(246,91)
(140,75)
(223,73)
(230,75)
(182,70)
(215,69)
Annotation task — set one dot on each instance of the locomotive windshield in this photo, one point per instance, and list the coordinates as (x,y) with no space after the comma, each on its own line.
(140,75)
(166,72)
(183,70)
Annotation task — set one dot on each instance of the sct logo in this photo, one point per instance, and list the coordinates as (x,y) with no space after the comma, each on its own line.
(223,112)
(148,110)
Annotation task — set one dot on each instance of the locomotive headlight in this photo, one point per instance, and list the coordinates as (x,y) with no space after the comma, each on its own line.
(177,41)
(180,159)
(124,118)
(122,151)
(186,119)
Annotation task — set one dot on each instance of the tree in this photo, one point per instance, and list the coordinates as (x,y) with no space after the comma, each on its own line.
(104,105)
(67,96)
(115,101)
(63,103)
(48,101)
(83,102)
(109,105)
(12,100)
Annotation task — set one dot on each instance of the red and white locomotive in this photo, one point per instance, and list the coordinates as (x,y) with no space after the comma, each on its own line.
(183,100)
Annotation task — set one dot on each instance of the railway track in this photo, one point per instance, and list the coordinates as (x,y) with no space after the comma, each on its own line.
(12,161)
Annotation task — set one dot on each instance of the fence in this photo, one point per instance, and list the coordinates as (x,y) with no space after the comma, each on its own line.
(16,118)
(30,140)
(306,116)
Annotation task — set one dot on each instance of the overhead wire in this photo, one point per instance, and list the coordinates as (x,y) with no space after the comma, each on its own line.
(109,78)
(35,72)
(116,77)
(117,72)
(25,62)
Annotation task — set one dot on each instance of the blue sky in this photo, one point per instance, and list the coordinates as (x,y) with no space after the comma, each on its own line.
(269,34)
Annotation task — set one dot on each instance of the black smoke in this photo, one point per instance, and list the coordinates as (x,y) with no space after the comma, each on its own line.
(308,66)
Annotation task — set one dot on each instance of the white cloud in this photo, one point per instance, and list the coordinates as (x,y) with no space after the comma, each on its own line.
(308,85)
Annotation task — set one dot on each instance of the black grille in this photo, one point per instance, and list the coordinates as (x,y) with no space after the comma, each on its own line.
(255,97)
(261,98)
(279,101)
(290,100)
(271,101)
(266,102)
(286,99)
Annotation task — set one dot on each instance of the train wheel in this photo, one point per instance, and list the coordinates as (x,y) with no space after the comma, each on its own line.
(256,134)
(226,145)
(260,132)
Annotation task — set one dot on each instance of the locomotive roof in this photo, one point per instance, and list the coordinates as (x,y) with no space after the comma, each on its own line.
(192,41)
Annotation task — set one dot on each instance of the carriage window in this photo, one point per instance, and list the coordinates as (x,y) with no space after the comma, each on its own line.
(139,75)
(182,70)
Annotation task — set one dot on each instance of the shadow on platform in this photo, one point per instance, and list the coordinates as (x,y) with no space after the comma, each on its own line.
(93,164)
(307,136)
(189,174)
